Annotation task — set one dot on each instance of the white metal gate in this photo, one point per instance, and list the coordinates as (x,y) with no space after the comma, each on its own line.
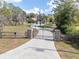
(44,34)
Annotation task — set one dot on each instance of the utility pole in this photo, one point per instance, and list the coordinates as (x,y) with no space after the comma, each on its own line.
(39,18)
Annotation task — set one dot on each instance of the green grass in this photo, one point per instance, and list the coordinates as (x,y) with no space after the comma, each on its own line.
(46,26)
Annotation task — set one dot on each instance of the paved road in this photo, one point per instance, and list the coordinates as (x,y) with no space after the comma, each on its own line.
(34,49)
(44,34)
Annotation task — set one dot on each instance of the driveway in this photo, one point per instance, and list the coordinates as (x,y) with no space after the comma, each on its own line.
(34,49)
(45,35)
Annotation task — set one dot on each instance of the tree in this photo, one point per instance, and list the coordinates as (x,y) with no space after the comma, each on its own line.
(30,17)
(65,16)
(13,14)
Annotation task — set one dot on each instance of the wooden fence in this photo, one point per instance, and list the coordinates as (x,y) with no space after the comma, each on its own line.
(13,34)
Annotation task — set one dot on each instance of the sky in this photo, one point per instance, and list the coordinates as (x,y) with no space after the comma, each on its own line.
(33,6)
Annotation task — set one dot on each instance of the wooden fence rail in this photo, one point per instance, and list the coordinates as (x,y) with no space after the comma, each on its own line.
(13,34)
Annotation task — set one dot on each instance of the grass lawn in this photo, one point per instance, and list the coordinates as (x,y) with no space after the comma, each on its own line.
(8,44)
(17,28)
(46,26)
(66,51)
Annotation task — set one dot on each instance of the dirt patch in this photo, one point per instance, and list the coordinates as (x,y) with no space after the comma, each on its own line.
(8,44)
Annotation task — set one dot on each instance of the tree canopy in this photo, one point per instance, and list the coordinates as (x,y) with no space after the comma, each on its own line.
(66,16)
(12,14)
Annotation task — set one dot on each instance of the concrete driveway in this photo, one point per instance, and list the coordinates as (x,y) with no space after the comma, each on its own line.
(34,49)
(45,35)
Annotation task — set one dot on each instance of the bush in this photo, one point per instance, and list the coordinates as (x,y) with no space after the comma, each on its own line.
(30,21)
(72,31)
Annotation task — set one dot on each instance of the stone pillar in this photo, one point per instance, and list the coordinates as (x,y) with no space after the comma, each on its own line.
(57,35)
(29,33)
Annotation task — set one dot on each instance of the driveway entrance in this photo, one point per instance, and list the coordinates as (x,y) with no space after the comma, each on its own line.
(44,34)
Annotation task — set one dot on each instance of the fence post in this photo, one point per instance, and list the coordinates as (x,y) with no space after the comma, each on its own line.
(1,28)
(0,34)
(15,34)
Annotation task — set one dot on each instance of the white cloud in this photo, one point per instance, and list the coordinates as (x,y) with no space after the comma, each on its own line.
(51,5)
(12,1)
(34,10)
(45,11)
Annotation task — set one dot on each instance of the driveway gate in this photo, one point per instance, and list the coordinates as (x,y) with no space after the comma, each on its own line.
(44,34)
